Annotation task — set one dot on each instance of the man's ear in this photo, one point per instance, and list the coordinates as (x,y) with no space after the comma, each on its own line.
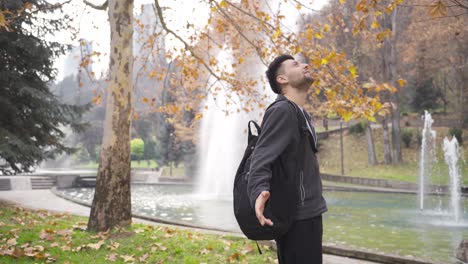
(281,79)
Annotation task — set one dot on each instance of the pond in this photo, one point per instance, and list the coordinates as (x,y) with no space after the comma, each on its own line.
(381,222)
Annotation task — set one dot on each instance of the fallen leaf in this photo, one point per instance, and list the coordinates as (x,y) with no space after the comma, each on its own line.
(140,230)
(248,248)
(46,234)
(112,257)
(12,242)
(113,246)
(128,258)
(95,246)
(234,257)
(204,251)
(143,258)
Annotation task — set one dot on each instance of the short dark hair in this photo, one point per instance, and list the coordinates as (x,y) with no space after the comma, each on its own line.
(272,71)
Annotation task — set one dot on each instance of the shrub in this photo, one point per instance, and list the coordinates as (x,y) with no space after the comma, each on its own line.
(457,133)
(137,147)
(358,129)
(407,136)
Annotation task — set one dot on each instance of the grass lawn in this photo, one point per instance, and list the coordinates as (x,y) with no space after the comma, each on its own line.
(355,159)
(30,236)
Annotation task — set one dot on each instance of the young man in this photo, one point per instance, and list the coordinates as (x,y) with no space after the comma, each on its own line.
(280,142)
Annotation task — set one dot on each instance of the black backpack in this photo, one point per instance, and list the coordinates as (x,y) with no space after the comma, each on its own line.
(282,203)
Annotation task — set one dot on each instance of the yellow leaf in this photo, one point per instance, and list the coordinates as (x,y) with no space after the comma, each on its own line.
(145,100)
(223,4)
(240,60)
(326,28)
(342,1)
(347,115)
(198,116)
(135,116)
(214,8)
(309,34)
(438,9)
(324,61)
(401,82)
(153,74)
(277,33)
(317,63)
(2,20)
(371,118)
(318,35)
(353,70)
(298,6)
(382,35)
(375,24)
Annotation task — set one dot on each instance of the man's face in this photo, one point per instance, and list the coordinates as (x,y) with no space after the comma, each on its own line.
(295,73)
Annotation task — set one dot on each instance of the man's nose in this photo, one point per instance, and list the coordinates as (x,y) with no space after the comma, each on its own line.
(306,66)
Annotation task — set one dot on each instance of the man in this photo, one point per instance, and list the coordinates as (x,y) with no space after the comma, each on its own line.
(280,142)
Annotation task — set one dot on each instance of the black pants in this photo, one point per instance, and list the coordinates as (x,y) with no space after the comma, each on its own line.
(302,243)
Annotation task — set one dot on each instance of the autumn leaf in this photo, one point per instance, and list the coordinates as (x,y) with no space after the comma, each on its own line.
(234,257)
(112,257)
(401,82)
(28,6)
(12,242)
(128,258)
(342,1)
(223,4)
(375,25)
(277,33)
(143,258)
(65,232)
(309,34)
(3,22)
(248,248)
(204,251)
(318,35)
(95,246)
(382,35)
(353,70)
(113,246)
(198,116)
(46,234)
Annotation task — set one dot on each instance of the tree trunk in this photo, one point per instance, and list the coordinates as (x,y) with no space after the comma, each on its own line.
(396,130)
(389,73)
(341,148)
(387,151)
(371,156)
(111,204)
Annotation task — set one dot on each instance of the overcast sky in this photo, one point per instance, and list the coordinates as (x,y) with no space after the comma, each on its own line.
(93,24)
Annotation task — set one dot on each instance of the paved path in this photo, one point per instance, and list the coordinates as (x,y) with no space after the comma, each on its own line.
(46,200)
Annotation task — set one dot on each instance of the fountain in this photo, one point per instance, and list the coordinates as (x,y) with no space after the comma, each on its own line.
(427,156)
(451,156)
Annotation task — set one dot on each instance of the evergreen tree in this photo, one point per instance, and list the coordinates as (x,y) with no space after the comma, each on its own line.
(32,117)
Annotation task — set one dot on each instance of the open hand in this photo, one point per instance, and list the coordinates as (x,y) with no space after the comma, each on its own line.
(260,207)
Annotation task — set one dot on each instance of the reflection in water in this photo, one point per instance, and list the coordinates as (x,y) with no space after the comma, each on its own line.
(383,222)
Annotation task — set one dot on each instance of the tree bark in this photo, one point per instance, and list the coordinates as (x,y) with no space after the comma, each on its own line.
(341,148)
(112,201)
(387,150)
(371,156)
(390,76)
(396,130)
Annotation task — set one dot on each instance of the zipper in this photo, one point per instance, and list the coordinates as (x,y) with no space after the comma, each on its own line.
(301,187)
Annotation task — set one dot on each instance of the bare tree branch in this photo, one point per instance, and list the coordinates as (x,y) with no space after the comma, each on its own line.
(239,30)
(101,7)
(187,46)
